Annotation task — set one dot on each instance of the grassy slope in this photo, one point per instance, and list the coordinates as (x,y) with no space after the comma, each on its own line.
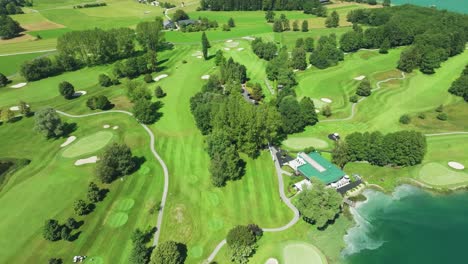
(10,64)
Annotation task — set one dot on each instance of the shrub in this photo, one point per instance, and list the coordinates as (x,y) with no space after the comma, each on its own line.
(326,111)
(158,92)
(116,161)
(67,90)
(51,230)
(148,78)
(98,102)
(354,98)
(440,108)
(104,80)
(405,119)
(81,207)
(226,27)
(48,123)
(422,116)
(3,80)
(442,116)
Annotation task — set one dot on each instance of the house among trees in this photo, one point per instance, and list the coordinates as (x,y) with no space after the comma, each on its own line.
(186,22)
(314,165)
(168,25)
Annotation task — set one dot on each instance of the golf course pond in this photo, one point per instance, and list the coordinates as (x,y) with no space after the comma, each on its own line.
(408,226)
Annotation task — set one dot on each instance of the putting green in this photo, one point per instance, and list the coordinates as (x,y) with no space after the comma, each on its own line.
(215,224)
(124,204)
(438,174)
(117,219)
(302,253)
(300,143)
(89,144)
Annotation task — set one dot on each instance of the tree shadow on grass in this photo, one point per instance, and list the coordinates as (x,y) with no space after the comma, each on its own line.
(138,162)
(69,128)
(75,236)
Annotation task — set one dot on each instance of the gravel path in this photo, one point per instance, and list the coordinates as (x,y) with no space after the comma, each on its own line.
(353,107)
(284,198)
(29,52)
(155,154)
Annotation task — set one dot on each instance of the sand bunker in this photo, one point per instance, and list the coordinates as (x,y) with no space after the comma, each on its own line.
(68,141)
(360,78)
(271,261)
(199,57)
(106,126)
(232,44)
(115,127)
(456,165)
(205,77)
(197,53)
(79,93)
(14,108)
(92,159)
(248,38)
(19,85)
(309,66)
(229,41)
(240,49)
(326,100)
(295,70)
(317,111)
(227,49)
(160,77)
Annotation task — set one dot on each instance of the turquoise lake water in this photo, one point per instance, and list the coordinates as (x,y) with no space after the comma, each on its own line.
(453,5)
(410,226)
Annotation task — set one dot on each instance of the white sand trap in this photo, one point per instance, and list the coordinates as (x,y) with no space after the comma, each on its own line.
(205,77)
(309,66)
(325,100)
(271,261)
(92,159)
(232,44)
(229,41)
(160,77)
(197,53)
(317,111)
(105,126)
(199,57)
(360,78)
(295,70)
(79,93)
(68,141)
(14,108)
(19,85)
(456,165)
(240,49)
(248,38)
(115,127)
(227,49)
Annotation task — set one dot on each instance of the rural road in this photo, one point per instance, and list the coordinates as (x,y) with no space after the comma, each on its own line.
(353,107)
(29,52)
(155,154)
(284,198)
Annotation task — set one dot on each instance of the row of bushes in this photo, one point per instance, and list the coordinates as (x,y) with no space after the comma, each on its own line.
(90,5)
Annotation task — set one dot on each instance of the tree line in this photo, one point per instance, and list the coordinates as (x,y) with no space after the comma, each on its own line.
(252,5)
(432,35)
(12,7)
(402,148)
(77,49)
(460,86)
(9,28)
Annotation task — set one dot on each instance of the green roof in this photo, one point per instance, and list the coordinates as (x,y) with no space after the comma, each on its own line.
(317,166)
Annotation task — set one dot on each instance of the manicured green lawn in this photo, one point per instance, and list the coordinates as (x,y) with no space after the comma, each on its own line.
(10,65)
(88,144)
(302,253)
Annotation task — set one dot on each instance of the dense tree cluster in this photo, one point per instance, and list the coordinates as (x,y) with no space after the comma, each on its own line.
(40,68)
(251,5)
(319,205)
(232,72)
(116,161)
(264,50)
(241,241)
(296,115)
(9,28)
(179,14)
(402,148)
(460,86)
(202,24)
(333,20)
(3,80)
(433,35)
(326,53)
(150,34)
(280,69)
(281,24)
(54,231)
(67,90)
(98,102)
(90,5)
(140,253)
(48,122)
(136,66)
(12,7)
(298,59)
(314,7)
(364,88)
(169,252)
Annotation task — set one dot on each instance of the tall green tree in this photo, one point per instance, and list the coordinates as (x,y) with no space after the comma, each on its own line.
(205,45)
(150,35)
(364,88)
(305,26)
(231,22)
(295,25)
(309,44)
(9,28)
(116,161)
(340,154)
(146,111)
(308,111)
(66,89)
(270,16)
(3,80)
(169,252)
(242,243)
(48,122)
(319,205)
(333,20)
(51,230)
(298,60)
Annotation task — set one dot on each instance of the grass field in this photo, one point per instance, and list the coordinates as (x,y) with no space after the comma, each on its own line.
(88,144)
(10,65)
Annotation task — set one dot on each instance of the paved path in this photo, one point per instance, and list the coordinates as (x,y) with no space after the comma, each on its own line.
(267,82)
(353,107)
(155,154)
(28,52)
(446,134)
(285,199)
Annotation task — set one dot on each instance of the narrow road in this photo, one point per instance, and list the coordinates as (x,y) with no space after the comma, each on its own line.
(28,52)
(353,107)
(446,134)
(284,198)
(155,154)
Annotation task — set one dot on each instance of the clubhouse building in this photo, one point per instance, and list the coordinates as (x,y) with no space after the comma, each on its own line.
(313,165)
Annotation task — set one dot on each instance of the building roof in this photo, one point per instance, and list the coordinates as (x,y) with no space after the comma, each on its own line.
(186,22)
(320,168)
